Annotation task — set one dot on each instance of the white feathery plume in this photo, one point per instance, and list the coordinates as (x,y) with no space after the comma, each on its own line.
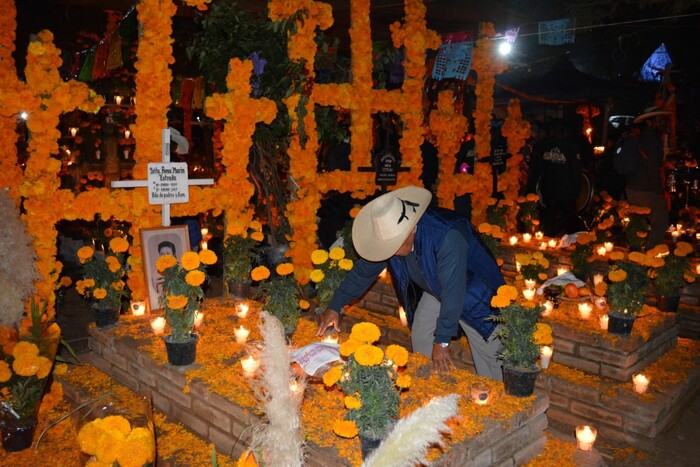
(408,443)
(279,439)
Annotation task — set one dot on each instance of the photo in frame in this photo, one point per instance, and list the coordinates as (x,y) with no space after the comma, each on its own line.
(156,242)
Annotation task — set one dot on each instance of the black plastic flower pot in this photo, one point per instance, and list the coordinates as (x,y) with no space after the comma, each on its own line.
(620,324)
(181,353)
(519,383)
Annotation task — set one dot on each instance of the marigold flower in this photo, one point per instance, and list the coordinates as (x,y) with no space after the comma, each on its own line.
(175,302)
(365,332)
(508,291)
(354,212)
(397,354)
(25,348)
(260,273)
(345,264)
(190,261)
(345,428)
(118,245)
(207,257)
(403,381)
(195,278)
(349,347)
(617,275)
(600,288)
(542,276)
(44,367)
(352,402)
(26,365)
(113,263)
(500,301)
(257,236)
(85,253)
(317,275)
(65,281)
(319,256)
(164,262)
(88,436)
(543,334)
(368,355)
(332,376)
(304,304)
(99,293)
(532,197)
(336,253)
(5,372)
(109,445)
(117,423)
(285,269)
(255,225)
(683,249)
(247,459)
(616,255)
(118,285)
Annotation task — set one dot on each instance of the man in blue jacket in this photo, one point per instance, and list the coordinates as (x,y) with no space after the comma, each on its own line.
(435,251)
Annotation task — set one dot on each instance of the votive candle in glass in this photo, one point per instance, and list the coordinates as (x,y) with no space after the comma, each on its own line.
(603,321)
(543,246)
(250,365)
(529,293)
(584,310)
(138,308)
(241,334)
(480,394)
(330,339)
(600,302)
(158,325)
(527,237)
(513,240)
(608,246)
(562,270)
(601,251)
(198,318)
(539,235)
(545,356)
(641,383)
(548,307)
(552,243)
(585,437)
(597,279)
(242,309)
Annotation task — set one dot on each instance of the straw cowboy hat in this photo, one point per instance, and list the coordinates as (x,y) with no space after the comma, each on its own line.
(650,112)
(384,223)
(183,146)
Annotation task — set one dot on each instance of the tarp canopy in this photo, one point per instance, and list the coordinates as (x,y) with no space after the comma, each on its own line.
(563,83)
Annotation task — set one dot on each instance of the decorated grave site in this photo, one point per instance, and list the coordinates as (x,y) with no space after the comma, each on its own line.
(174,378)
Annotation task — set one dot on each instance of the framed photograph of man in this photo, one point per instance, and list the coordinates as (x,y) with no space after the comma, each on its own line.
(156,242)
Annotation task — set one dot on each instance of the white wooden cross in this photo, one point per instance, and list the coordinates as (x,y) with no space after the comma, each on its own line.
(167,181)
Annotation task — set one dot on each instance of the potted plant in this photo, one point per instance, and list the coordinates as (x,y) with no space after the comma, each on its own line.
(279,294)
(331,267)
(517,333)
(528,217)
(626,291)
(240,252)
(182,293)
(371,385)
(532,266)
(670,273)
(26,357)
(103,280)
(582,255)
(636,226)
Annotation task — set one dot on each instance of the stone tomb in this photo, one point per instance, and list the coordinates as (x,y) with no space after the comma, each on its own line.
(221,421)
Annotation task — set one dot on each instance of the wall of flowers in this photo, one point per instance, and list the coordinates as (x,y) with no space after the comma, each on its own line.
(45,96)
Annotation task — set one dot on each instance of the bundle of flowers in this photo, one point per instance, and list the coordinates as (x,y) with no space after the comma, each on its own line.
(370,382)
(519,325)
(491,235)
(628,281)
(103,274)
(26,359)
(113,441)
(182,289)
(528,214)
(241,251)
(331,267)
(279,294)
(670,272)
(635,224)
(532,266)
(582,255)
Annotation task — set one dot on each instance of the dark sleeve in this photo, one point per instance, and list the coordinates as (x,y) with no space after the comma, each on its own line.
(356,283)
(452,274)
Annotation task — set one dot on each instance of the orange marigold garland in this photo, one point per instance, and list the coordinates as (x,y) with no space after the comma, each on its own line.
(448,127)
(516,130)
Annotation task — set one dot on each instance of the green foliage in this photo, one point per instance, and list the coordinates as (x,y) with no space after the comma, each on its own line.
(637,225)
(492,243)
(333,269)
(240,254)
(579,260)
(281,298)
(375,387)
(629,294)
(669,277)
(517,334)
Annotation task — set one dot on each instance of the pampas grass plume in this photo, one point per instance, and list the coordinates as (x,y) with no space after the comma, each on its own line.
(408,443)
(279,439)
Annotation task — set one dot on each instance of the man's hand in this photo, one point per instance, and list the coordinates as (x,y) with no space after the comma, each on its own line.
(442,362)
(327,318)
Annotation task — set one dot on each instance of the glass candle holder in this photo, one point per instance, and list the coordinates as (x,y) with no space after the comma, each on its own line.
(585,437)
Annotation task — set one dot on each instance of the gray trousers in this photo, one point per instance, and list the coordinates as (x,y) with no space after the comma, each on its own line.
(423,335)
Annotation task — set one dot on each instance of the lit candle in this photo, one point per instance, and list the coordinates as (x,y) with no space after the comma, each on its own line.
(242,309)
(198,318)
(382,275)
(402,316)
(548,307)
(600,302)
(597,279)
(641,383)
(562,270)
(603,320)
(517,266)
(127,134)
(584,310)
(330,339)
(601,251)
(250,365)
(118,100)
(203,244)
(480,394)
(552,243)
(530,283)
(527,237)
(138,308)
(513,240)
(608,246)
(545,355)
(205,231)
(158,325)
(539,235)
(73,131)
(241,334)
(296,388)
(585,437)
(697,268)
(529,294)
(543,246)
